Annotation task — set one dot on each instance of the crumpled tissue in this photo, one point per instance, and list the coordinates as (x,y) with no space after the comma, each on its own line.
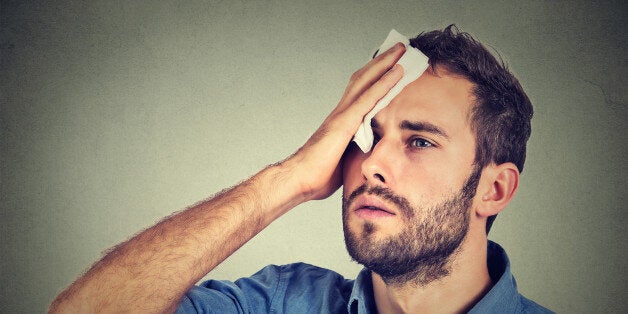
(414,63)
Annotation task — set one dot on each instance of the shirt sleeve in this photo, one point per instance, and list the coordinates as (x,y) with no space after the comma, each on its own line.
(246,295)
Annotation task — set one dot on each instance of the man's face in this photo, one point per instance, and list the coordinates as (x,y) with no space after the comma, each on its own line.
(406,203)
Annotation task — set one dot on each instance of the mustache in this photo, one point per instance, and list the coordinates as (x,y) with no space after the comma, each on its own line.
(385,193)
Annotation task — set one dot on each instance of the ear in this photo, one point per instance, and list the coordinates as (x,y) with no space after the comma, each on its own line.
(498,186)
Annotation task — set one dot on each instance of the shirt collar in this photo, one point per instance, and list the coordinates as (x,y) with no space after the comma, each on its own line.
(362,300)
(503,295)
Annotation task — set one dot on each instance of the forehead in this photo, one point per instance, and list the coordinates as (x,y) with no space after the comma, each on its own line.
(440,98)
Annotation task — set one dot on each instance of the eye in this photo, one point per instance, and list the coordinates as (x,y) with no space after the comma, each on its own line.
(418,142)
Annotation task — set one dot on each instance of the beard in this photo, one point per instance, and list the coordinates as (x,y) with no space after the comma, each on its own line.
(420,252)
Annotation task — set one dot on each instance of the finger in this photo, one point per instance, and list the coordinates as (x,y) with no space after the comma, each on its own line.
(367,100)
(375,68)
(348,118)
(371,72)
(395,48)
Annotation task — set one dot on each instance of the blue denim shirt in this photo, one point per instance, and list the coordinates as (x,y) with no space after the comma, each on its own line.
(303,288)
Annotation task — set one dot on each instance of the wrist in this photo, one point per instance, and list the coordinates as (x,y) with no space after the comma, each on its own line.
(279,188)
(291,177)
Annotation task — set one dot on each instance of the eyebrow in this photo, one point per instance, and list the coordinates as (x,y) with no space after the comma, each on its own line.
(417,126)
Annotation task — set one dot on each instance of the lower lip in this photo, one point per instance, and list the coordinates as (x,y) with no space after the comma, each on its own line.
(366,213)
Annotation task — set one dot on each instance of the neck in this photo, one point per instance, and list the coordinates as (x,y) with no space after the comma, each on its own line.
(467,282)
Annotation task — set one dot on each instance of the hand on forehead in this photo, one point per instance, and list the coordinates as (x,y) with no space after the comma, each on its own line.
(414,64)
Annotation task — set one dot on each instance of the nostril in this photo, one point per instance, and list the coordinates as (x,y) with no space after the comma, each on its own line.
(379,177)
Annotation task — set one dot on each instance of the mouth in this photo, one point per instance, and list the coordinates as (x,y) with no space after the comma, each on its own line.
(369,207)
(374,208)
(370,213)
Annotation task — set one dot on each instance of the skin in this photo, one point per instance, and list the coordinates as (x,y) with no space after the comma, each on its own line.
(151,272)
(424,166)
(427,166)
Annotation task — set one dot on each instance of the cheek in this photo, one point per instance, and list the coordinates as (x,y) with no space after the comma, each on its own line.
(424,185)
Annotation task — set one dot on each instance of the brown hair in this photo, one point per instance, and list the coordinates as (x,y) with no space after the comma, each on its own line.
(502,113)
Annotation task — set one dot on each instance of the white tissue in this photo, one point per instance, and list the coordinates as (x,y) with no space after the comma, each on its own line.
(414,63)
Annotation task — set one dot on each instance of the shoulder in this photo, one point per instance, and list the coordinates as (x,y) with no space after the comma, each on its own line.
(296,269)
(504,296)
(300,273)
(301,283)
(295,286)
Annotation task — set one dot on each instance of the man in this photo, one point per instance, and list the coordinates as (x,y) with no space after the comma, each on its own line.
(417,208)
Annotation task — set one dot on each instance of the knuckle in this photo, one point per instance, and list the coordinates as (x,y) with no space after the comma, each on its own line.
(357,75)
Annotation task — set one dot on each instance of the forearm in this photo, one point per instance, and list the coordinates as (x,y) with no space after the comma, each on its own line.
(152,271)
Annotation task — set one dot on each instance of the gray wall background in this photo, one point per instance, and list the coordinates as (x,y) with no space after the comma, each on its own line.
(117,113)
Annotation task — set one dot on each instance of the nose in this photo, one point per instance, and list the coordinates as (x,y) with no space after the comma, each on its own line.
(376,167)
